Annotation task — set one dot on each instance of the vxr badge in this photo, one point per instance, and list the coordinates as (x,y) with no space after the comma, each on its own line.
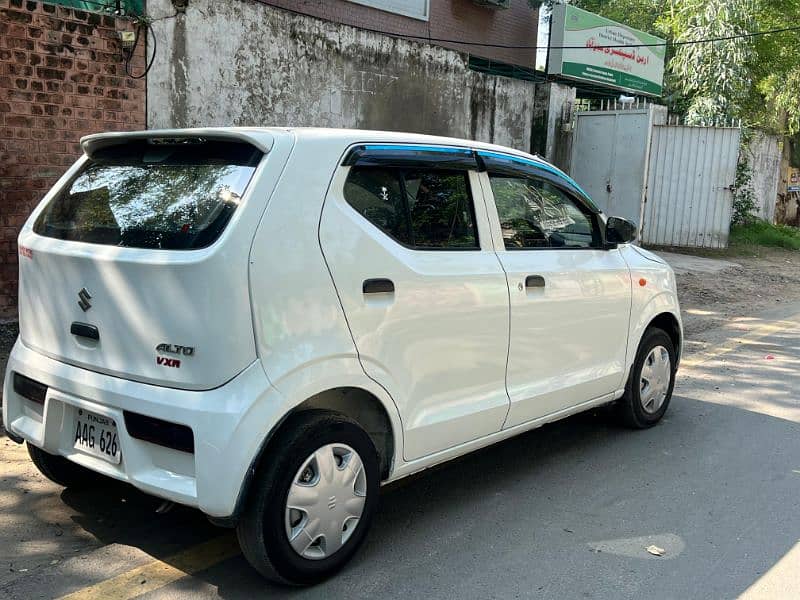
(83,299)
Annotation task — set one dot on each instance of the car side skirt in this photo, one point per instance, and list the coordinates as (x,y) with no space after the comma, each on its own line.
(409,468)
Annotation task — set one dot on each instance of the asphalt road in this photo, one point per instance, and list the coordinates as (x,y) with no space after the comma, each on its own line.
(565,511)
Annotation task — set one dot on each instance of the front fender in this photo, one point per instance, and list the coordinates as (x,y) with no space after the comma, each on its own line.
(665,302)
(654,292)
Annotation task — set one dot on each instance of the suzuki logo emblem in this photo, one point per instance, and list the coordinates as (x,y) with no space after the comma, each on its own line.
(331,502)
(83,299)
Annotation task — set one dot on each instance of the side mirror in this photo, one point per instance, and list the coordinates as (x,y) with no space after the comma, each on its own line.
(620,231)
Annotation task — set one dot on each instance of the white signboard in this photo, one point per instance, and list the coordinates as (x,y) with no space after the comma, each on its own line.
(588,47)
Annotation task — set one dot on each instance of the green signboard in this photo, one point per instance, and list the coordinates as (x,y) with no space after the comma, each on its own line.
(128,7)
(588,47)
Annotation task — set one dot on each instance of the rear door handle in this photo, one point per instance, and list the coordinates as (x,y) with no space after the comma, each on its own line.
(534,281)
(378,286)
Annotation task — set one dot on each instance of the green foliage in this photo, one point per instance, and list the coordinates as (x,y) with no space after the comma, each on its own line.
(716,76)
(640,14)
(773,102)
(761,233)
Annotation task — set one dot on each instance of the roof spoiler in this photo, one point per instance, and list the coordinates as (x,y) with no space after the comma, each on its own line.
(263,140)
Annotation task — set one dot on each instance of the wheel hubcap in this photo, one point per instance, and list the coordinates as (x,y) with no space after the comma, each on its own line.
(655,379)
(325,501)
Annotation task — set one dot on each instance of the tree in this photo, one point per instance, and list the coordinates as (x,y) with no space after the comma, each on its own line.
(639,14)
(773,103)
(716,77)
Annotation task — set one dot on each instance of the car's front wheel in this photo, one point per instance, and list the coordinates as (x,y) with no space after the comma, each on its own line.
(313,500)
(652,379)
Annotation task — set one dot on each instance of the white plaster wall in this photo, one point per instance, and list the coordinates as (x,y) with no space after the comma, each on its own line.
(244,63)
(560,96)
(764,154)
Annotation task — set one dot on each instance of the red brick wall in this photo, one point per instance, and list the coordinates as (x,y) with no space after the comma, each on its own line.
(62,76)
(449,19)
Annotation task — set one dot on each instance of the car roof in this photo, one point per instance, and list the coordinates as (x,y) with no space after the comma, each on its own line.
(354,136)
(374,135)
(263,137)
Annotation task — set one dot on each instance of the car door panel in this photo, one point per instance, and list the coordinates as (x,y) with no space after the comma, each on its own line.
(567,337)
(570,309)
(436,336)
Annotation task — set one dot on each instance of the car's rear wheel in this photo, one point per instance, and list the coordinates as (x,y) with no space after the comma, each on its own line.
(313,501)
(62,471)
(650,384)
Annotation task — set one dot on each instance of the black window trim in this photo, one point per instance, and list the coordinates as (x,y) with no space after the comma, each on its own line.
(402,170)
(410,155)
(525,167)
(592,214)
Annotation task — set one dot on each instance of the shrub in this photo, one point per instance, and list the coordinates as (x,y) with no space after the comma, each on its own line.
(761,233)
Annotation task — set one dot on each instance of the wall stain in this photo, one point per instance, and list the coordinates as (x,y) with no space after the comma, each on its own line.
(262,66)
(179,60)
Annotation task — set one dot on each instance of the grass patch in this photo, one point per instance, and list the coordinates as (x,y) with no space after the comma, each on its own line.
(761,233)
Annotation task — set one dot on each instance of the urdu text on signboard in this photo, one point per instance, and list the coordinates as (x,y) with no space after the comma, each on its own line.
(588,47)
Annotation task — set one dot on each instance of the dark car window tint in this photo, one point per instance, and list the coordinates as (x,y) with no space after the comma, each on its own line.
(535,214)
(440,209)
(149,196)
(377,195)
(424,209)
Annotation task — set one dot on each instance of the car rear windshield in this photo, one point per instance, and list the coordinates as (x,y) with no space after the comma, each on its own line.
(166,194)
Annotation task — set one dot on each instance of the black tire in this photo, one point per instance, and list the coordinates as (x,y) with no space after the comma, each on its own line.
(261,529)
(629,408)
(62,471)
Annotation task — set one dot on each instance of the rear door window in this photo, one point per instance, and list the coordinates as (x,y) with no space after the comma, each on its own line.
(176,196)
(426,209)
(377,195)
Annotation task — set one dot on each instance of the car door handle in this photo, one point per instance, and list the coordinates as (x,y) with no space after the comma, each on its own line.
(534,281)
(378,286)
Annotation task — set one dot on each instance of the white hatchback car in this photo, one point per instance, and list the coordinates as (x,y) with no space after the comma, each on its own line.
(268,324)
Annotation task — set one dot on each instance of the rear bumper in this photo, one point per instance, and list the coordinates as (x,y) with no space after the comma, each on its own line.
(229,424)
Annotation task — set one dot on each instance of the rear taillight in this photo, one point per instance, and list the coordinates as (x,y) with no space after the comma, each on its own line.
(30,389)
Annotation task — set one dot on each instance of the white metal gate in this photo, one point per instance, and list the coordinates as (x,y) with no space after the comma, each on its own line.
(609,151)
(689,186)
(674,181)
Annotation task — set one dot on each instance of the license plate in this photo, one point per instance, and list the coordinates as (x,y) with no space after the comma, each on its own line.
(97,435)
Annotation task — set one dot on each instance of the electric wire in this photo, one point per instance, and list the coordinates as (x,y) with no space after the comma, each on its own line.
(666,43)
(546,47)
(750,34)
(129,53)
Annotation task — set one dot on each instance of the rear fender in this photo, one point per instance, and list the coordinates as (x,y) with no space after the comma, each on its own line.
(294,389)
